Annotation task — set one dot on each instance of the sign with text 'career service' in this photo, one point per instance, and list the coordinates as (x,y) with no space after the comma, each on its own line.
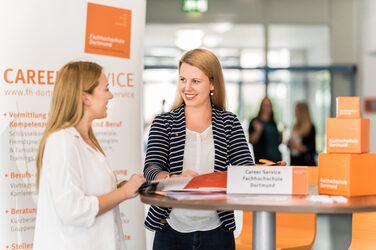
(38,38)
(267,180)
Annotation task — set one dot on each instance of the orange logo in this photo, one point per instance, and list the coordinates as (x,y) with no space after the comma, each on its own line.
(108,31)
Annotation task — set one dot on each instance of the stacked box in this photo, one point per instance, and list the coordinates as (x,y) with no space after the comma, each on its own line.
(347,168)
(347,135)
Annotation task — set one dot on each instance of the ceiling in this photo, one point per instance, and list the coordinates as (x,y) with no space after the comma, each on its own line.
(238,35)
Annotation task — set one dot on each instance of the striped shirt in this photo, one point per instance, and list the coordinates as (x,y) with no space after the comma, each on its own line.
(165,152)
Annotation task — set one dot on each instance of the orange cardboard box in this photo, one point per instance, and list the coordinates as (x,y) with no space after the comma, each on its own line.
(347,174)
(348,107)
(347,135)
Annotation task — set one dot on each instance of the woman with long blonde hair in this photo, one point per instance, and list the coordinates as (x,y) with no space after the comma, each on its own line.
(302,142)
(78,195)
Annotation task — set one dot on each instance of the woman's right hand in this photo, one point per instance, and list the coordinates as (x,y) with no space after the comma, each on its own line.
(289,143)
(130,188)
(258,126)
(255,135)
(185,173)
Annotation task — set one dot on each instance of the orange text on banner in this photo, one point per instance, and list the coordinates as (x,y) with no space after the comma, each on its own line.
(29,76)
(108,31)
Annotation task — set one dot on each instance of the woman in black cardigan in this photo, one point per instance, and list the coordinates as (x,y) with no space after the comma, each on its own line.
(302,142)
(197,136)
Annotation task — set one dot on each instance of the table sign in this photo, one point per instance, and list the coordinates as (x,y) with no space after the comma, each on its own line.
(267,180)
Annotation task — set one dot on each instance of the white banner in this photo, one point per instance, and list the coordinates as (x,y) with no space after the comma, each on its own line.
(37,38)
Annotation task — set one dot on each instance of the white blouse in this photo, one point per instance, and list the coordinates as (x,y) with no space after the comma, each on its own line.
(73,175)
(199,157)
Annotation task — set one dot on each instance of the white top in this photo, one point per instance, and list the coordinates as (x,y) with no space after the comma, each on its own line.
(73,175)
(199,157)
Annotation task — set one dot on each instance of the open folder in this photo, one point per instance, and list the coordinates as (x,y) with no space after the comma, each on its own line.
(205,183)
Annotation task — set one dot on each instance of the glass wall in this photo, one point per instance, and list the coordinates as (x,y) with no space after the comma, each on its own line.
(286,88)
(296,48)
(297,68)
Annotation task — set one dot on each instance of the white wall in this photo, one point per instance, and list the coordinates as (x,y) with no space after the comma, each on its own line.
(343,25)
(367,59)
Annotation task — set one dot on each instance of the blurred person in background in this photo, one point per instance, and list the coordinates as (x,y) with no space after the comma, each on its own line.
(302,142)
(264,135)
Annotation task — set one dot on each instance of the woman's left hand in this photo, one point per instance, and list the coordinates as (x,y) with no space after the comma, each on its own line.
(281,163)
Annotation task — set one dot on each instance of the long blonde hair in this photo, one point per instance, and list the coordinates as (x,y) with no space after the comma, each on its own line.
(303,122)
(67,109)
(208,63)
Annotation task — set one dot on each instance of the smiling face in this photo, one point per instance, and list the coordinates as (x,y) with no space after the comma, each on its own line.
(96,102)
(194,86)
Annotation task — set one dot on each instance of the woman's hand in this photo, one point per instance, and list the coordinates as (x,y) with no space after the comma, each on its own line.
(271,163)
(131,186)
(258,126)
(186,173)
(281,163)
(297,146)
(125,191)
(290,144)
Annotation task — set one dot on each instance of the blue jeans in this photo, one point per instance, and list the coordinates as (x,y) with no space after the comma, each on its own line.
(216,239)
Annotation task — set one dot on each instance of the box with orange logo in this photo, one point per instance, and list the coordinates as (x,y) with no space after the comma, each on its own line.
(347,135)
(347,174)
(348,107)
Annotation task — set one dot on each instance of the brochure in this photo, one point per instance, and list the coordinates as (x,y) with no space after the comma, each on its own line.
(205,183)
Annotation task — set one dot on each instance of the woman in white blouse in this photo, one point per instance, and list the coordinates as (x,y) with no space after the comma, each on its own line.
(78,196)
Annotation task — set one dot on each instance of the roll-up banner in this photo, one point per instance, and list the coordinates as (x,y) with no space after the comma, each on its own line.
(37,38)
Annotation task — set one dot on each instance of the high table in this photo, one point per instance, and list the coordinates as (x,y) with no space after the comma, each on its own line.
(264,208)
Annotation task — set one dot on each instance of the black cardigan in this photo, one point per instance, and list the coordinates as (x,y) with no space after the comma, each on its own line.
(165,152)
(307,158)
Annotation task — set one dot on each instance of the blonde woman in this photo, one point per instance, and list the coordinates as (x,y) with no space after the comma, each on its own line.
(303,136)
(197,136)
(78,197)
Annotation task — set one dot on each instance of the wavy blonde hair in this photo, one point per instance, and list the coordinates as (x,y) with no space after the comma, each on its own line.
(208,63)
(303,122)
(67,108)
